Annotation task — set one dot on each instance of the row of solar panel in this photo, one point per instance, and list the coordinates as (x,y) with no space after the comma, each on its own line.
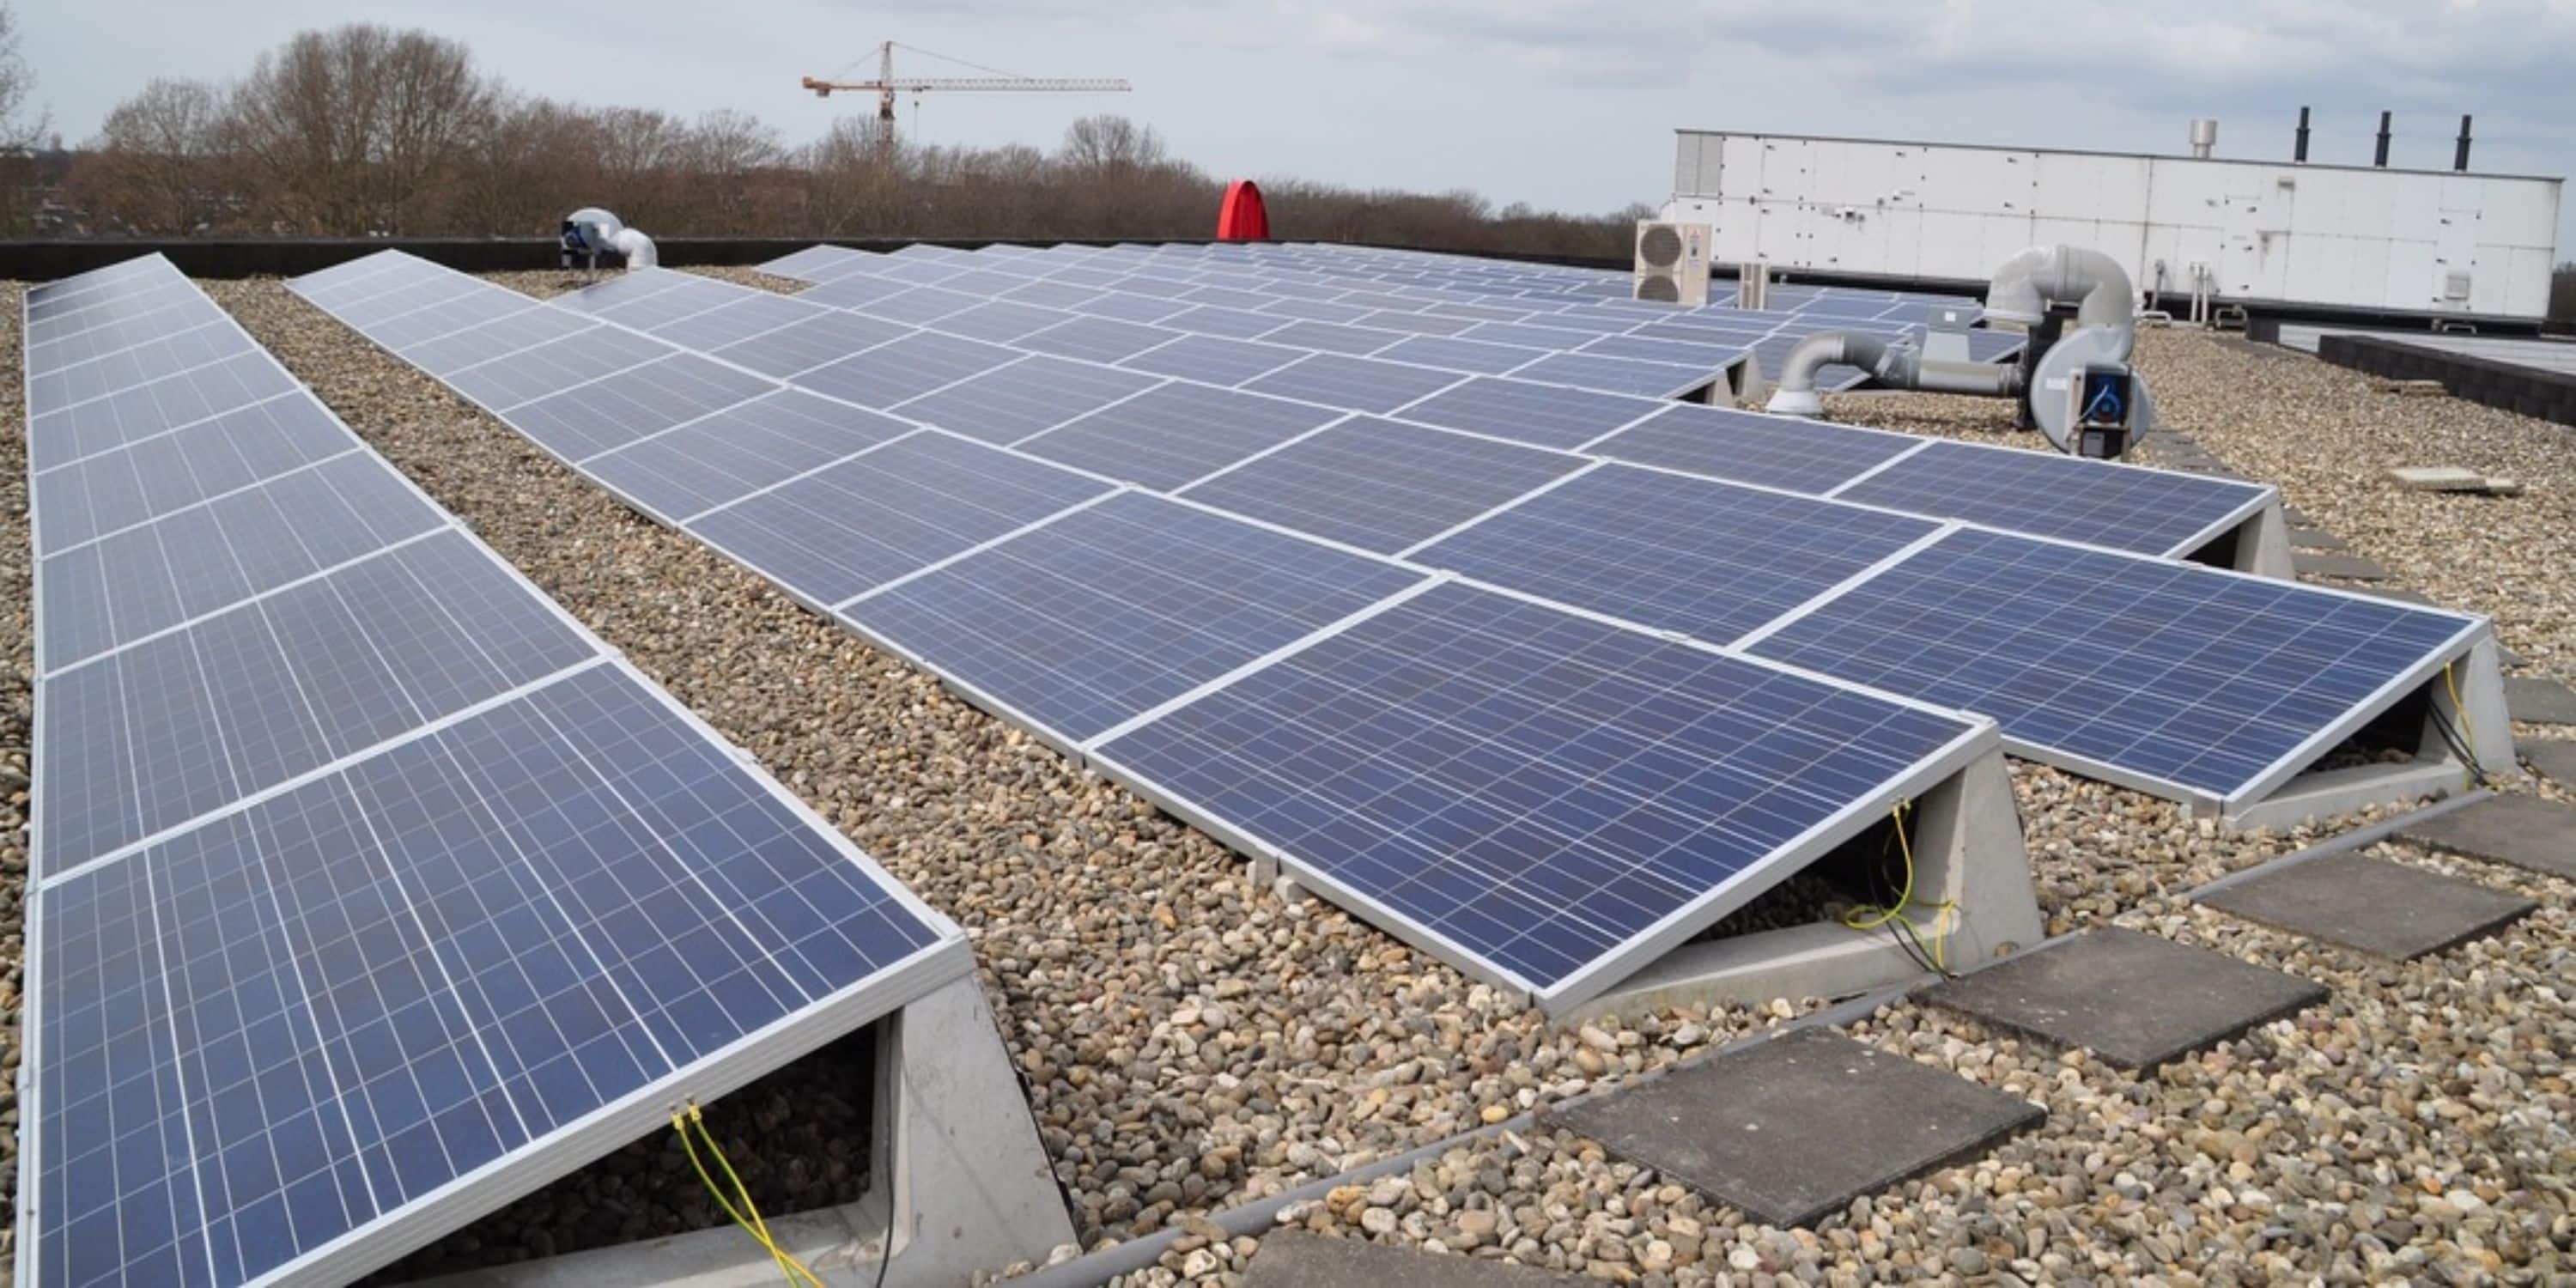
(1651,551)
(973,560)
(1447,328)
(363,877)
(1151,633)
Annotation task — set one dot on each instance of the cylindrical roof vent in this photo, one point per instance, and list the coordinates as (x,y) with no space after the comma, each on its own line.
(2381,159)
(2204,136)
(2299,147)
(2460,159)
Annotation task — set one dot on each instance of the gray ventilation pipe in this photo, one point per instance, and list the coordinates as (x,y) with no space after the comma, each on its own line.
(2033,279)
(1896,366)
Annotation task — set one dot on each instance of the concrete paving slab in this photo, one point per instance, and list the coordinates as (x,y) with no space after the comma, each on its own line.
(2539,699)
(2555,761)
(2372,904)
(2316,539)
(2136,1000)
(2296,517)
(1304,1259)
(2524,831)
(2346,567)
(1793,1129)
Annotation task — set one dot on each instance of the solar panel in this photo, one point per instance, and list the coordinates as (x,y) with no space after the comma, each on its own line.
(1239,324)
(1124,307)
(803,346)
(739,450)
(635,403)
(2044,494)
(301,963)
(744,317)
(1329,337)
(1213,359)
(1381,485)
(856,290)
(615,290)
(522,377)
(1315,310)
(1416,323)
(1617,375)
(1053,295)
(687,298)
(1676,553)
(1108,611)
(858,524)
(900,370)
(2173,673)
(1011,403)
(919,306)
(527,329)
(1167,438)
(1001,321)
(153,407)
(1529,336)
(1772,451)
(1356,384)
(1710,357)
(1540,415)
(1097,339)
(447,317)
(196,560)
(156,476)
(83,379)
(1541,798)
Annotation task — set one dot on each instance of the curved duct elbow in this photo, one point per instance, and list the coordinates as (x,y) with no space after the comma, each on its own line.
(636,247)
(2032,280)
(1895,366)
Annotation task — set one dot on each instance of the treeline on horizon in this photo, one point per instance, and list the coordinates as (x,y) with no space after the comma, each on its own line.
(363,130)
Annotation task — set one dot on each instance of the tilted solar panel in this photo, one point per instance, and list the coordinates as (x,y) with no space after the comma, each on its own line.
(1381,485)
(2044,494)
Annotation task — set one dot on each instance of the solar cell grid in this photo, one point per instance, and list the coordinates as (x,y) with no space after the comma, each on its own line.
(746,316)
(1213,359)
(1168,437)
(98,377)
(919,306)
(1027,397)
(692,296)
(1772,451)
(124,333)
(1001,321)
(1462,355)
(1540,415)
(1676,553)
(1236,324)
(903,369)
(1543,793)
(803,346)
(1110,610)
(1617,375)
(1356,384)
(1331,337)
(1381,485)
(856,290)
(855,525)
(739,450)
(526,375)
(2182,674)
(2044,494)
(141,411)
(526,329)
(1097,339)
(447,317)
(635,403)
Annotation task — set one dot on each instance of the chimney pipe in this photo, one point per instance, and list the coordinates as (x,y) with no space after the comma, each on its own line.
(2381,160)
(2204,136)
(2460,159)
(2299,150)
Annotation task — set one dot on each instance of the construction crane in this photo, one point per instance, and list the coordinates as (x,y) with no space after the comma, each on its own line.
(886,86)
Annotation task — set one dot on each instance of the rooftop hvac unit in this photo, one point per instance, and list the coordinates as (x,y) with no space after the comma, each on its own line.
(1672,262)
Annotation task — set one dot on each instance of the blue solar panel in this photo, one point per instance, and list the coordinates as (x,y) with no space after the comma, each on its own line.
(856,525)
(1236,324)
(521,377)
(919,306)
(738,451)
(639,402)
(803,346)
(749,314)
(853,290)
(1414,322)
(1006,405)
(1540,415)
(1382,485)
(1328,337)
(1684,554)
(1001,321)
(1773,451)
(1123,307)
(1532,335)
(159,475)
(1539,791)
(1111,610)
(133,364)
(526,329)
(2175,672)
(1053,295)
(1098,339)
(1711,357)
(1617,375)
(683,298)
(1316,310)
(1175,435)
(900,370)
(1355,384)
(2149,511)
(1463,355)
(158,406)
(1214,359)
(287,1023)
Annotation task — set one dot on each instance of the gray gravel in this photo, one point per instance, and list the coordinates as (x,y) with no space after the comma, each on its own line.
(17,737)
(1191,1043)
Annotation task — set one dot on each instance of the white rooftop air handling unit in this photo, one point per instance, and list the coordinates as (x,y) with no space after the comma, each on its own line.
(590,232)
(1672,263)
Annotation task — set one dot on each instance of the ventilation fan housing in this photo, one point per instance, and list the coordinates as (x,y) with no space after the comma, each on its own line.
(1672,262)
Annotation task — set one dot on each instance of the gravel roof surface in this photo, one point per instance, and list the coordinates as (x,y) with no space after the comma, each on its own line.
(1191,1043)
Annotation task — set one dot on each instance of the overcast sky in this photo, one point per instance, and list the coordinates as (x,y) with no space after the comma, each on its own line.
(1566,105)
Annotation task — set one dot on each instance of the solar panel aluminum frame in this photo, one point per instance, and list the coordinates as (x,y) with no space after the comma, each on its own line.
(2266,497)
(596,1134)
(2474,630)
(1979,740)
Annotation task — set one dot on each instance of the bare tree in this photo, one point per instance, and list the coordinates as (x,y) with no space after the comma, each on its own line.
(161,161)
(359,129)
(725,154)
(1108,142)
(20,129)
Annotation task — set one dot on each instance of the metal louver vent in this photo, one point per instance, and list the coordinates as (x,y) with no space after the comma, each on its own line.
(1660,246)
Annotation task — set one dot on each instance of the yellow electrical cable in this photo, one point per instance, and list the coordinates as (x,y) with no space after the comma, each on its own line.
(1867,918)
(793,1270)
(2468,735)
